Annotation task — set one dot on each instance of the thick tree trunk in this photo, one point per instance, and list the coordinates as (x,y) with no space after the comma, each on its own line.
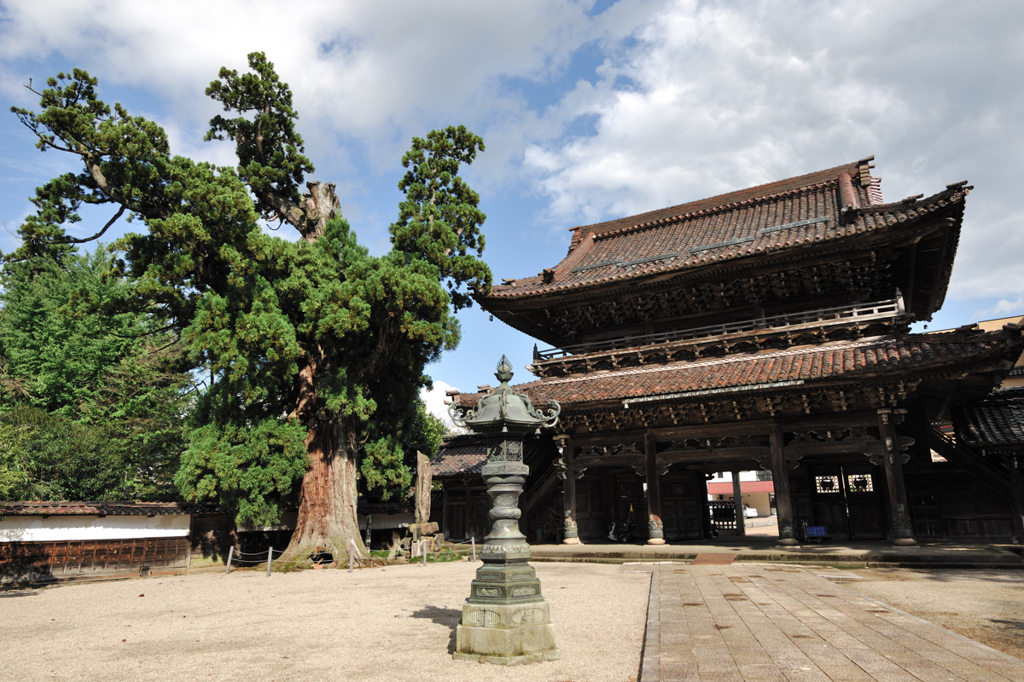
(327,519)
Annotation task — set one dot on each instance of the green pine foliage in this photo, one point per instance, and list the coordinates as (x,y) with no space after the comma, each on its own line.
(440,219)
(93,395)
(292,339)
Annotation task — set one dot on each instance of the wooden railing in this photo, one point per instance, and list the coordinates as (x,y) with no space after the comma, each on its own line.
(821,317)
(983,470)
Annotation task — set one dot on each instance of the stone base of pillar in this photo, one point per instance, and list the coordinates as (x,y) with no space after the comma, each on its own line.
(655,541)
(571,541)
(905,542)
(506,634)
(787,542)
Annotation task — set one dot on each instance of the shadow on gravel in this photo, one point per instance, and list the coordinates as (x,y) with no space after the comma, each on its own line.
(17,593)
(1009,624)
(447,617)
(944,575)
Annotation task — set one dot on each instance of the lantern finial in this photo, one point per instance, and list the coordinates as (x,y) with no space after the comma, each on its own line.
(504,373)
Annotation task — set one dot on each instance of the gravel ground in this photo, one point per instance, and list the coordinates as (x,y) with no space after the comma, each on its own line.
(394,623)
(984,605)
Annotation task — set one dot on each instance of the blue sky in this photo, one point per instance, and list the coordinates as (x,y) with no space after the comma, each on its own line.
(590,111)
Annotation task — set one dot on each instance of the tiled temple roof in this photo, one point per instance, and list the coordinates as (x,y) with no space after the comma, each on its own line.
(461,455)
(44,508)
(839,361)
(996,423)
(809,209)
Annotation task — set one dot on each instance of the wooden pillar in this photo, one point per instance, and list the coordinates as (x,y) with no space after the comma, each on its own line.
(1017,485)
(899,509)
(570,534)
(780,479)
(705,509)
(737,498)
(655,527)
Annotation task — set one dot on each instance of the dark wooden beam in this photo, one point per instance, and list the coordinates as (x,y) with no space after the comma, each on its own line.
(758,427)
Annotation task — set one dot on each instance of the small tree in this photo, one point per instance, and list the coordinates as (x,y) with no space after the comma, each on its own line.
(315,351)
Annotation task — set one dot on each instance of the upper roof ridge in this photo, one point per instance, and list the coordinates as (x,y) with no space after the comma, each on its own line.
(722,208)
(727,200)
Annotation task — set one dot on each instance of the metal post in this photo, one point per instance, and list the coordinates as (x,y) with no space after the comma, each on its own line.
(270,557)
(231,553)
(423,547)
(737,498)
(474,548)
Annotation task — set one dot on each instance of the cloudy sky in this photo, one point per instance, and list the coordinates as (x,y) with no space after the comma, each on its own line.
(590,110)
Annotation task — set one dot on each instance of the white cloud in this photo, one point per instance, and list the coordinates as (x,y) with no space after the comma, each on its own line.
(689,99)
(435,400)
(1002,308)
(718,96)
(378,71)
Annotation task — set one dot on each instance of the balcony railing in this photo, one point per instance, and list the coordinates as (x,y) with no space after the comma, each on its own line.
(839,315)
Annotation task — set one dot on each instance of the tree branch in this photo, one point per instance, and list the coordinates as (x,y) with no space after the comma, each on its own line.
(287,210)
(96,173)
(99,234)
(35,131)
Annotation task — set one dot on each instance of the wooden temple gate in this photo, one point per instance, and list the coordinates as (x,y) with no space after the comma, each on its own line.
(838,472)
(767,328)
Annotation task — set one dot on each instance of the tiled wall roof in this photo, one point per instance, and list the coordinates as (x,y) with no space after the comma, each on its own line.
(44,508)
(729,199)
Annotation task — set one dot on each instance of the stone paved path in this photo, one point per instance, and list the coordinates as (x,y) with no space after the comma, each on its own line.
(777,622)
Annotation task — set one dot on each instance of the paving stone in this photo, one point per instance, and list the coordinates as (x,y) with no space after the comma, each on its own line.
(755,622)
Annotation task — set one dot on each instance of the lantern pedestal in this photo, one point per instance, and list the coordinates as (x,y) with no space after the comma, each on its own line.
(498,638)
(506,620)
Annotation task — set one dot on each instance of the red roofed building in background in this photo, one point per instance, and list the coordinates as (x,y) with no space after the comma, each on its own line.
(763,329)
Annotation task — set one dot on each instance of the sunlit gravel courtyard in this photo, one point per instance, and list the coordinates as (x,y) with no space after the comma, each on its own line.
(394,623)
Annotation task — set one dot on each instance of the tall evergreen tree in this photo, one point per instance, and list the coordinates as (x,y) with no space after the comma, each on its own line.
(92,396)
(314,349)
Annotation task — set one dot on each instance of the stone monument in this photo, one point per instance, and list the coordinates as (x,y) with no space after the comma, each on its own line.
(505,620)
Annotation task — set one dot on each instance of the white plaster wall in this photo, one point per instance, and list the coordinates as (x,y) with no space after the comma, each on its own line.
(726,476)
(759,501)
(69,528)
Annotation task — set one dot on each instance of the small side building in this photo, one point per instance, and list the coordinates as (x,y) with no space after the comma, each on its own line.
(992,431)
(43,541)
(464,500)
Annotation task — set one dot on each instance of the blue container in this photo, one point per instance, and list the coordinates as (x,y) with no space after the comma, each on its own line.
(817,531)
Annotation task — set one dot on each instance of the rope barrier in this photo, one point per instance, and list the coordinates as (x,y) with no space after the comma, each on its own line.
(262,554)
(353,556)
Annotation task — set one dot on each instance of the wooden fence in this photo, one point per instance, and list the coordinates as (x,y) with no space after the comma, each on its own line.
(41,561)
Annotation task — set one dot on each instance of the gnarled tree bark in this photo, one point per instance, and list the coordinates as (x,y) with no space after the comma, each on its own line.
(327,520)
